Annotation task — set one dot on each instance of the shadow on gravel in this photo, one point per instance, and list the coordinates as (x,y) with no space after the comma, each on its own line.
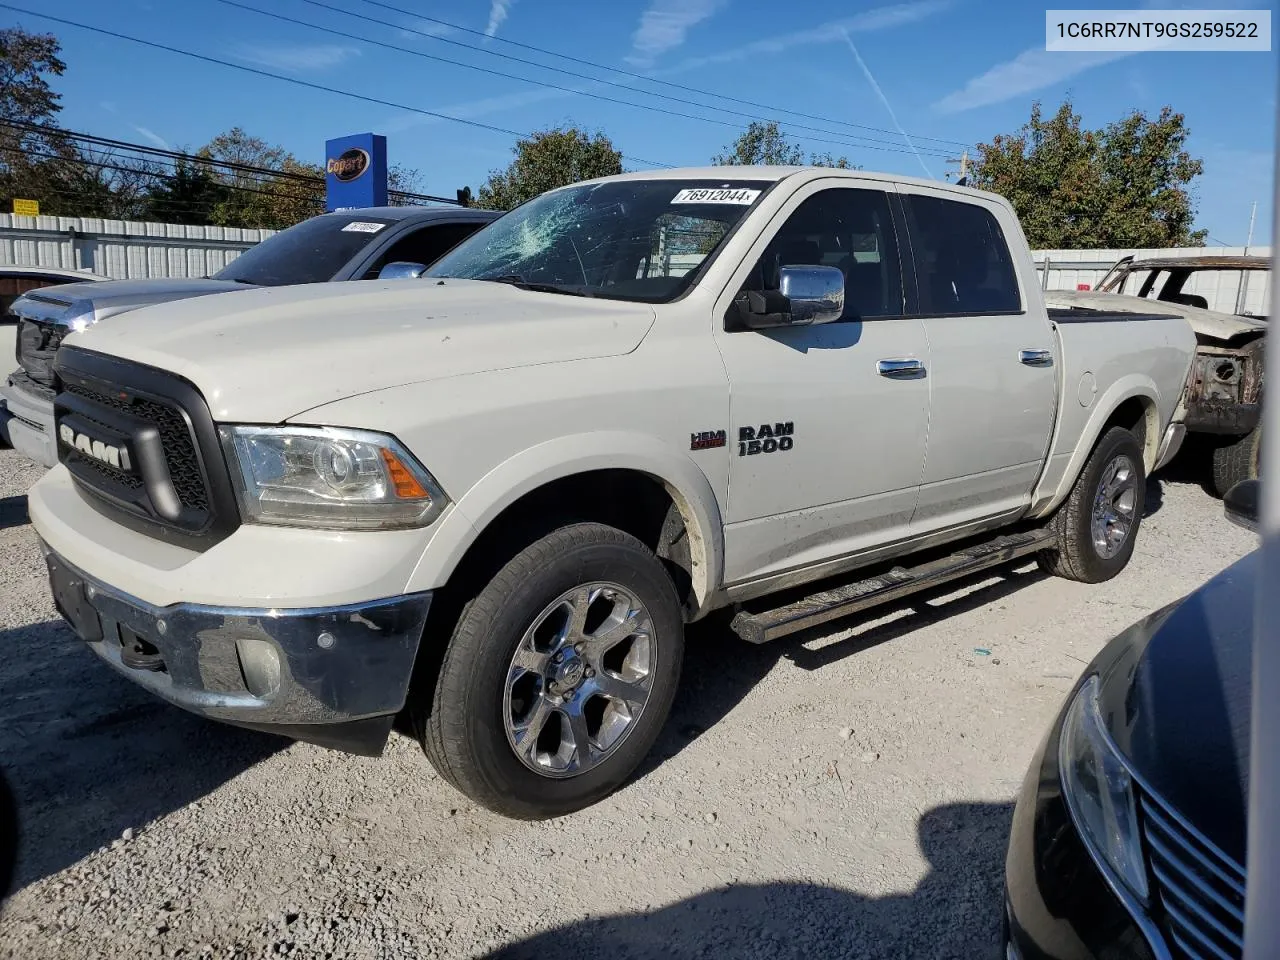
(720,669)
(89,755)
(13,511)
(955,910)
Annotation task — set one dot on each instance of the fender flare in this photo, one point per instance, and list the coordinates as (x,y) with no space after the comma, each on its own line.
(1126,388)
(567,456)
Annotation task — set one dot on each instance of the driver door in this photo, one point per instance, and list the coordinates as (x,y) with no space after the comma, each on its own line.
(828,423)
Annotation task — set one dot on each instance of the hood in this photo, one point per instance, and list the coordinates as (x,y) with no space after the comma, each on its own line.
(1178,701)
(110,297)
(268,354)
(1206,323)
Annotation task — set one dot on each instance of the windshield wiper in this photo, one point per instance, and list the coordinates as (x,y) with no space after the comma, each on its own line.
(515,280)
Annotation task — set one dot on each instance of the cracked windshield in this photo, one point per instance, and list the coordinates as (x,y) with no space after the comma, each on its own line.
(640,240)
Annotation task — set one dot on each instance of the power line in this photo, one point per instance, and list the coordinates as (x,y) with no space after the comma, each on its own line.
(598,66)
(178,156)
(292,80)
(861,141)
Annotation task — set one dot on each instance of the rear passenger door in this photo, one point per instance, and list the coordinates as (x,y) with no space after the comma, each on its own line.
(991,370)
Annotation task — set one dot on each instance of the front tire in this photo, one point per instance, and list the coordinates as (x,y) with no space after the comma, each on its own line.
(559,675)
(1236,461)
(1098,523)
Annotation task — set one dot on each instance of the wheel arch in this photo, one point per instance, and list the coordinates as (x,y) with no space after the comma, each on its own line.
(1132,403)
(604,475)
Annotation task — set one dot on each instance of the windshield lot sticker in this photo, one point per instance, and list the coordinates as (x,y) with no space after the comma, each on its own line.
(766,438)
(362,226)
(743,198)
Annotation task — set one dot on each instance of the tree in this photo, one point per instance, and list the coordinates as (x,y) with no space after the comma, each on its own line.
(1125,185)
(763,144)
(546,160)
(192,194)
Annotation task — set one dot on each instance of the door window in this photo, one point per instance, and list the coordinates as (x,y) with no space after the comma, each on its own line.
(425,245)
(963,264)
(845,228)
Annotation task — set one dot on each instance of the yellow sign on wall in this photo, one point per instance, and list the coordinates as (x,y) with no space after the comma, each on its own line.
(26,208)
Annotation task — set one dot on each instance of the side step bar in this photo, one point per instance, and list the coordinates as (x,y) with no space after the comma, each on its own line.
(895,584)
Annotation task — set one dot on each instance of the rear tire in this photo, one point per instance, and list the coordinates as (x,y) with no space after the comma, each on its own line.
(1236,461)
(559,675)
(1098,523)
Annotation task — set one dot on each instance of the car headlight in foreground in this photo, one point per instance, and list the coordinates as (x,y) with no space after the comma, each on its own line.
(330,478)
(1099,789)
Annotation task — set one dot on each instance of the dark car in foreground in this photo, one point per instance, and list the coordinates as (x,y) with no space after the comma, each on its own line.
(1128,837)
(365,244)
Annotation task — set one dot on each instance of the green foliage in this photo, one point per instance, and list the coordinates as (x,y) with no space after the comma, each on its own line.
(1125,185)
(764,144)
(546,160)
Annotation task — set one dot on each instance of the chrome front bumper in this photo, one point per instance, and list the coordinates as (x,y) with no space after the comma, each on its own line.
(26,421)
(330,675)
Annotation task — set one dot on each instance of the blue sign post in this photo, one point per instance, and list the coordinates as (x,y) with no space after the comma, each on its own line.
(355,172)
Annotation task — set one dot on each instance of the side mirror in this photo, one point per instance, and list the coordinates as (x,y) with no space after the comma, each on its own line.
(816,294)
(1241,504)
(807,295)
(402,270)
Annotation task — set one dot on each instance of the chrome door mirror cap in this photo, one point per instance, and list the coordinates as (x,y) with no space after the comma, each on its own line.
(402,270)
(815,293)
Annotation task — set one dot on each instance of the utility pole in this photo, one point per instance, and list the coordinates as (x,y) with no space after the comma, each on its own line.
(964,167)
(1242,291)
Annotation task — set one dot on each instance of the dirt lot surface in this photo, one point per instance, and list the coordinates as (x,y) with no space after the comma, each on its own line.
(843,795)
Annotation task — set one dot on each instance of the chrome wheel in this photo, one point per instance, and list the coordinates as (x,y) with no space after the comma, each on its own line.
(1114,507)
(579,679)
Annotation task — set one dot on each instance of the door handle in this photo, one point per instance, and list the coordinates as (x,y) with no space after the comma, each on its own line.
(1036,358)
(904,369)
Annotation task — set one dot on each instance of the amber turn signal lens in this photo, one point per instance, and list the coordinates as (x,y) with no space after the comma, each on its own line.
(406,484)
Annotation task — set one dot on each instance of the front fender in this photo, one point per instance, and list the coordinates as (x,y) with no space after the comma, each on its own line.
(568,456)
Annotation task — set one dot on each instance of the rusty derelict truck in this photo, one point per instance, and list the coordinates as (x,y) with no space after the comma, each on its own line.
(1223,400)
(492,504)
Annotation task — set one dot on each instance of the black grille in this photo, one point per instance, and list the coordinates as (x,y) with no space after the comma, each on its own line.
(175,437)
(1199,889)
(140,442)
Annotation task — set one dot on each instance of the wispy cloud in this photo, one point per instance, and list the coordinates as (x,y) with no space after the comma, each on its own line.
(866,72)
(664,25)
(1029,71)
(298,58)
(498,10)
(155,138)
(879,18)
(1037,68)
(419,28)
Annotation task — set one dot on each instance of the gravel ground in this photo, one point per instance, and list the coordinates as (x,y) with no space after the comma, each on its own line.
(845,794)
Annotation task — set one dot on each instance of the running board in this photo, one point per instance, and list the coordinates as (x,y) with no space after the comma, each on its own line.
(895,584)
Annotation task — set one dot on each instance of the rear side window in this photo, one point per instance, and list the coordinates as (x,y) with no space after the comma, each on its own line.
(963,265)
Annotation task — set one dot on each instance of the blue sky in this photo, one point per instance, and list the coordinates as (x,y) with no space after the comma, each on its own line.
(902,71)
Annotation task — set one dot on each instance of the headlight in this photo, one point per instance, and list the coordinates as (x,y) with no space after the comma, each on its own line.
(326,477)
(1099,790)
(78,316)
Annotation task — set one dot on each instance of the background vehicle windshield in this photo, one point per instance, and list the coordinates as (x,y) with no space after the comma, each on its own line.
(310,252)
(626,240)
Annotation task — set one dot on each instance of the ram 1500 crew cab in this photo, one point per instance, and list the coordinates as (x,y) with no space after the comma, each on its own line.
(491,499)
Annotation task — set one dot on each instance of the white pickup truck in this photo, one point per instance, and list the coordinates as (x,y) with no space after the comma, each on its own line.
(489,500)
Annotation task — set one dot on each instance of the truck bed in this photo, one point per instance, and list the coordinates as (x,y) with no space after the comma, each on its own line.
(1091,315)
